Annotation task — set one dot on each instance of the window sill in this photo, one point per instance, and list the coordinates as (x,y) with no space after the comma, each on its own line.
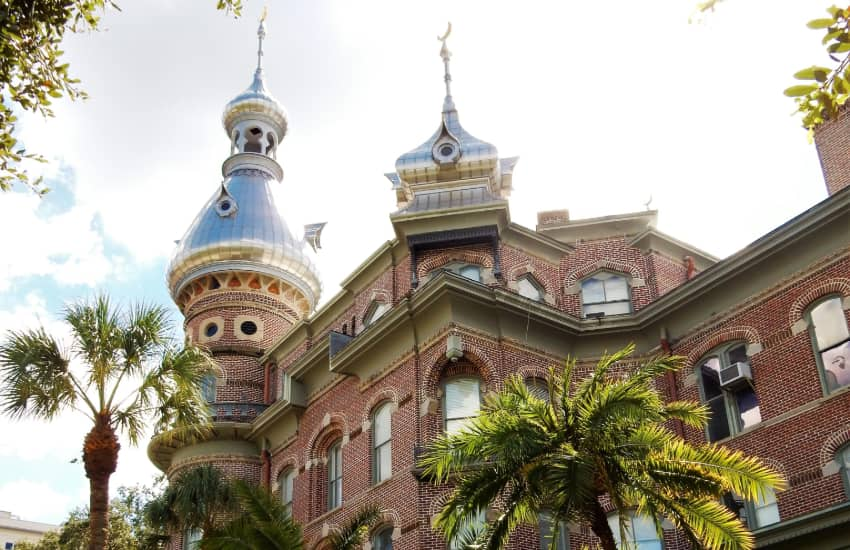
(804,408)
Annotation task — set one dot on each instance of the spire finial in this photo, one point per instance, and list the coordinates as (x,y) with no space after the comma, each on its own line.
(261,33)
(448,103)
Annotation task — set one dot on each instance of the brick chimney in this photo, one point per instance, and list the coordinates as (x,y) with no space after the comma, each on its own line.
(832,139)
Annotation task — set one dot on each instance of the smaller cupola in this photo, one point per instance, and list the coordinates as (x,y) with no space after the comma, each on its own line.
(451,161)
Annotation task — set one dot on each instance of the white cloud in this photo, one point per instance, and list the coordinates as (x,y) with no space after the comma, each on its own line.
(66,246)
(34,501)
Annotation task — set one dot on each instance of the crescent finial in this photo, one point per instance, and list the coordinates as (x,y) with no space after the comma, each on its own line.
(446,35)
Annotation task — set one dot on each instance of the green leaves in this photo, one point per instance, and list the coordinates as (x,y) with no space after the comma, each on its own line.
(800,90)
(821,101)
(33,71)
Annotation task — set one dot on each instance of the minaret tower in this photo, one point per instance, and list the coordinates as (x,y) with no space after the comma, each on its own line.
(239,275)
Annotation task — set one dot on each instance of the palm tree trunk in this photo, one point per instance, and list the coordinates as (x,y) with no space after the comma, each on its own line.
(100,457)
(599,526)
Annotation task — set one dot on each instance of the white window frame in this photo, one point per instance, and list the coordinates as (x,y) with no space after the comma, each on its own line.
(461,421)
(819,351)
(286,486)
(382,469)
(634,543)
(603,276)
(334,475)
(375,312)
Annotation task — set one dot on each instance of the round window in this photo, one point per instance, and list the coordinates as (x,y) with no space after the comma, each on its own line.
(248,327)
(224,205)
(447,150)
(211,330)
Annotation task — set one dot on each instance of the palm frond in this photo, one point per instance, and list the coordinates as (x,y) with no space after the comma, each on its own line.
(353,533)
(36,379)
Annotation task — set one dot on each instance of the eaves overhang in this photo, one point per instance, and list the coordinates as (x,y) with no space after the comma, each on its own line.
(808,531)
(652,239)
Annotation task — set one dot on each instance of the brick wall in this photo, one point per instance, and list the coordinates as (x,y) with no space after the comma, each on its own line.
(832,139)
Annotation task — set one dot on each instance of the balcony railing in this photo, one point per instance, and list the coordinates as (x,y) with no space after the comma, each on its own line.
(235,411)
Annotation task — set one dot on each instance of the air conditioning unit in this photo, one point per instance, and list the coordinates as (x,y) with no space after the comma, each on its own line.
(736,375)
(292,391)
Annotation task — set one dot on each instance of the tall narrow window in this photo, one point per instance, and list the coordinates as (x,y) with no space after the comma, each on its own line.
(335,475)
(545,524)
(383,539)
(732,408)
(765,510)
(831,340)
(208,387)
(640,531)
(382,443)
(286,483)
(843,459)
(605,294)
(462,402)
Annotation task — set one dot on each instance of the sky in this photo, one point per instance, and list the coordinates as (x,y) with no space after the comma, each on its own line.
(608,104)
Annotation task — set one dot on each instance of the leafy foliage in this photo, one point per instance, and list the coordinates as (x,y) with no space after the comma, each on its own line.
(605,435)
(122,369)
(33,72)
(193,500)
(262,525)
(129,530)
(353,534)
(826,89)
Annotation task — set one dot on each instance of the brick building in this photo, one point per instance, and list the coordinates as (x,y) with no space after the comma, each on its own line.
(330,406)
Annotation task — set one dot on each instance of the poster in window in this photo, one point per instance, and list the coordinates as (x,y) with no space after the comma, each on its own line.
(836,364)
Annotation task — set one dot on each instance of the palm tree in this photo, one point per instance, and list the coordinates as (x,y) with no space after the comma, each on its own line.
(192,500)
(604,436)
(121,370)
(265,524)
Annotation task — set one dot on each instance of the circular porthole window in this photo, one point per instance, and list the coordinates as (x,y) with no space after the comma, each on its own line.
(248,327)
(445,151)
(211,330)
(225,206)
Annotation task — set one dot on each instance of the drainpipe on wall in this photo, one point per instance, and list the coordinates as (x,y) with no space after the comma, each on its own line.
(670,377)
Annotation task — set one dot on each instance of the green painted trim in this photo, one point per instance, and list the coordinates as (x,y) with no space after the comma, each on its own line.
(803,525)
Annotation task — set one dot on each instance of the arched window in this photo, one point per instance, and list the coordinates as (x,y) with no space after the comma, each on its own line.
(545,524)
(286,482)
(831,342)
(383,539)
(334,475)
(640,531)
(253,141)
(469,529)
(843,459)
(605,294)
(528,287)
(462,402)
(538,387)
(733,407)
(382,443)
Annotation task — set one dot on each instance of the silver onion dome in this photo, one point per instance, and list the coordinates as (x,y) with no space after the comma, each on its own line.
(255,102)
(240,229)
